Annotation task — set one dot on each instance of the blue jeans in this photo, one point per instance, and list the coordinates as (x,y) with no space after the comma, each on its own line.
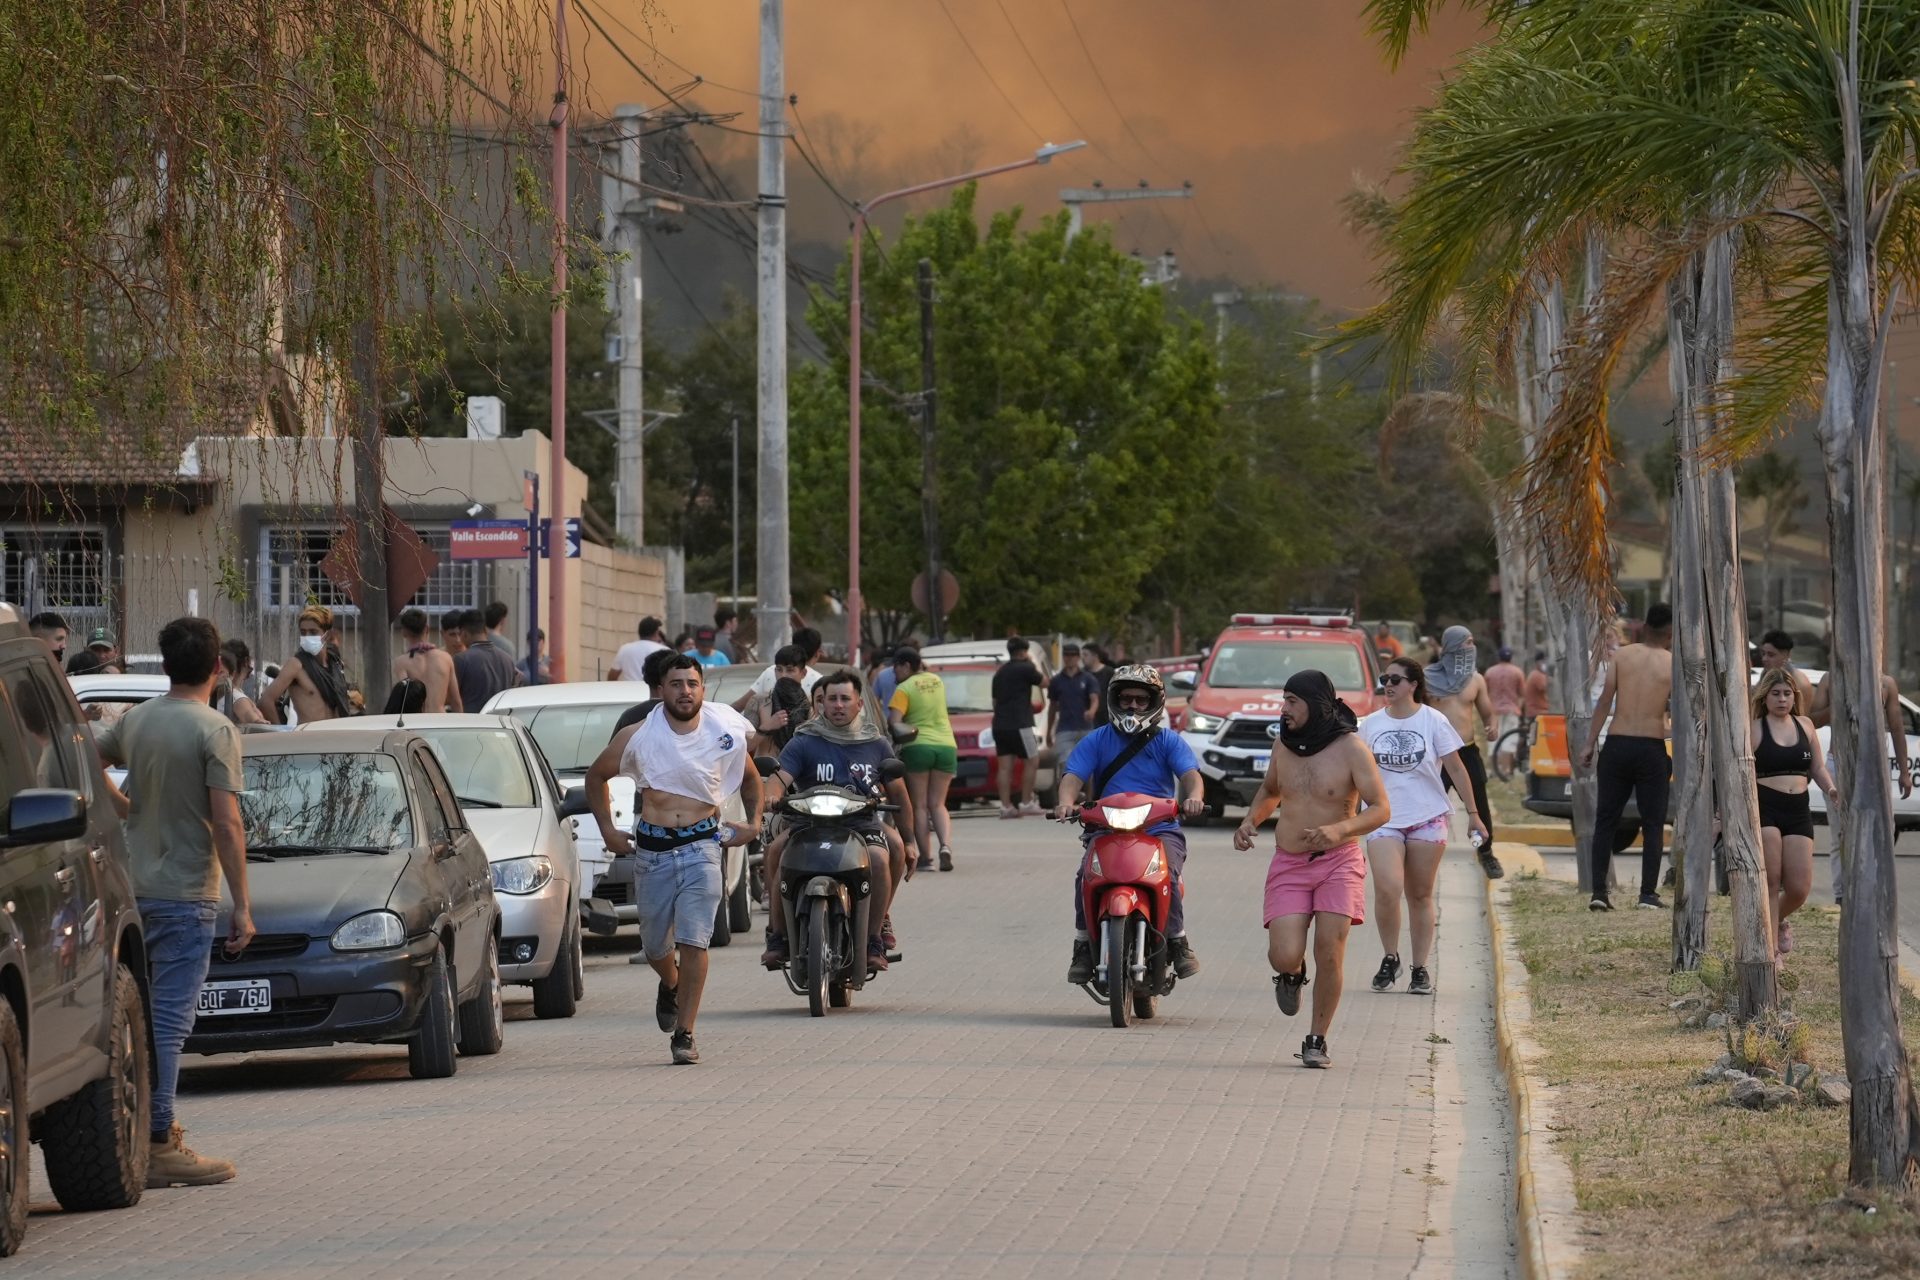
(677,894)
(179,950)
(1174,845)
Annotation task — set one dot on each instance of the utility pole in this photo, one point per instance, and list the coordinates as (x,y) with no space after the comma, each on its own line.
(735,601)
(369,495)
(1074,197)
(771,567)
(621,209)
(557,337)
(929,496)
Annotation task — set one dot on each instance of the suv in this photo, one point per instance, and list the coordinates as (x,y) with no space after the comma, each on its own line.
(1233,711)
(74,1049)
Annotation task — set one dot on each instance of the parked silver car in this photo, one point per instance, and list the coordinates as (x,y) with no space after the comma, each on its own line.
(512,801)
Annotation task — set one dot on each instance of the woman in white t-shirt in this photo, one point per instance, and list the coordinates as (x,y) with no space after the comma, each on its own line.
(1411,742)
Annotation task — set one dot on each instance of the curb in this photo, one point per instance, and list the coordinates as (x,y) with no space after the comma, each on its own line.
(1546,1212)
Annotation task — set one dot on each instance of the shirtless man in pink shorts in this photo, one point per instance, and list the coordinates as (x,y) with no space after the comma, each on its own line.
(1318,782)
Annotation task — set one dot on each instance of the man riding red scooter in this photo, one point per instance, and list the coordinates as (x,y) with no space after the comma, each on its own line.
(1135,759)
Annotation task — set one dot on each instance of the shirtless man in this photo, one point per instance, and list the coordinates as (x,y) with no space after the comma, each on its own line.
(684,758)
(1635,761)
(1318,874)
(313,678)
(425,664)
(1776,653)
(1820,711)
(1459,692)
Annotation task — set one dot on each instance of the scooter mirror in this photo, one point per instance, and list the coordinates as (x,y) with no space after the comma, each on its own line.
(892,769)
(766,766)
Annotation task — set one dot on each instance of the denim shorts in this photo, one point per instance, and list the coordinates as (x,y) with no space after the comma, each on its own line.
(677,895)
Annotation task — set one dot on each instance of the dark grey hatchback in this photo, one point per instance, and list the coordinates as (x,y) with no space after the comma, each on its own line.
(373,907)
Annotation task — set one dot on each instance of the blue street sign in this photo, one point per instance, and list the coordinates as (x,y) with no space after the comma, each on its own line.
(573,538)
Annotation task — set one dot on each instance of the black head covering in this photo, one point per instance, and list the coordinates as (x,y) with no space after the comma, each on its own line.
(1327,716)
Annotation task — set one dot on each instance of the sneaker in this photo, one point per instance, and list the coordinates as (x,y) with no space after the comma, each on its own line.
(1786,937)
(876,955)
(1008,811)
(638,957)
(1651,902)
(1599,904)
(776,953)
(1388,975)
(1185,963)
(925,863)
(1286,991)
(1313,1052)
(685,1052)
(1080,968)
(1419,981)
(666,1007)
(946,858)
(1031,809)
(173,1164)
(886,934)
(1490,864)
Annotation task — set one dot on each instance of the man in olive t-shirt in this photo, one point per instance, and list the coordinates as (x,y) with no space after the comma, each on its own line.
(183,832)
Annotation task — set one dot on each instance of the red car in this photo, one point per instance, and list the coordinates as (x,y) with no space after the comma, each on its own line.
(970,709)
(1233,706)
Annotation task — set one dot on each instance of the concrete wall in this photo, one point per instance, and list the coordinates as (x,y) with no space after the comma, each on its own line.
(619,587)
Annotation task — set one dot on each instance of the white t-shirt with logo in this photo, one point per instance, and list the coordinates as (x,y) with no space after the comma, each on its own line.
(1409,753)
(705,765)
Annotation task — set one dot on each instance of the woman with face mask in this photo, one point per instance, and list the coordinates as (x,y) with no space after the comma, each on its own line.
(314,682)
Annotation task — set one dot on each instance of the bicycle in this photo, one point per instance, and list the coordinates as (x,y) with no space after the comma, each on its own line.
(1512,747)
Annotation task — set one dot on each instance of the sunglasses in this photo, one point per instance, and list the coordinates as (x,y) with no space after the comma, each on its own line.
(1388,682)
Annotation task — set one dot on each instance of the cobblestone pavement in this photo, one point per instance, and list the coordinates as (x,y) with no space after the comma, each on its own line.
(972,1115)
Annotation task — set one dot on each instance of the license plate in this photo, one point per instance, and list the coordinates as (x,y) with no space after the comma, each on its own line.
(1260,763)
(248,995)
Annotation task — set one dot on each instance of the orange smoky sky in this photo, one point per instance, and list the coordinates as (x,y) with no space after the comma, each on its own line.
(1270,108)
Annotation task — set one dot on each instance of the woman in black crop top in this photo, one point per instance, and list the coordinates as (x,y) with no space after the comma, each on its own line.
(1786,760)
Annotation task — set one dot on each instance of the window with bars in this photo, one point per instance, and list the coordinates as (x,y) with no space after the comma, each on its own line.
(291,577)
(63,569)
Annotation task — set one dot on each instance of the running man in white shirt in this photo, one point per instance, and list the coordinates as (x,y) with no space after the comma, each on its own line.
(1411,742)
(685,758)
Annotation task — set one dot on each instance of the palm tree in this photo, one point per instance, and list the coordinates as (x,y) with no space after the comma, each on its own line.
(1773,481)
(1796,123)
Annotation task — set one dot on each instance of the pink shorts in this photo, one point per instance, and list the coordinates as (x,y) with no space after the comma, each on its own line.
(1334,882)
(1432,831)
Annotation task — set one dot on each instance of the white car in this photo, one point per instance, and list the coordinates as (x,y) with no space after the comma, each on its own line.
(512,801)
(105,698)
(1906,810)
(572,723)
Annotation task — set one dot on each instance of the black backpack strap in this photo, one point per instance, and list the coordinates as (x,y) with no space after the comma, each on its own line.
(1119,762)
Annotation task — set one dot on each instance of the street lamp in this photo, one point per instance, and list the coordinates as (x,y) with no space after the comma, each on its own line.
(860,212)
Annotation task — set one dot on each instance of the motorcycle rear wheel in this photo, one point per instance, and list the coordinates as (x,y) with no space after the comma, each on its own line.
(1119,977)
(817,962)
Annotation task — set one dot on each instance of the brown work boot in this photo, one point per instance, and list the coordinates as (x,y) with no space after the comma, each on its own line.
(173,1164)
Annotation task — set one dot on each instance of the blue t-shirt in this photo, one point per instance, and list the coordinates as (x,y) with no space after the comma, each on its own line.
(1073,697)
(884,684)
(811,761)
(714,659)
(1154,770)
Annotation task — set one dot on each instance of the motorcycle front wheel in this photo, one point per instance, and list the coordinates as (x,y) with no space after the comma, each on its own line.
(817,961)
(1119,976)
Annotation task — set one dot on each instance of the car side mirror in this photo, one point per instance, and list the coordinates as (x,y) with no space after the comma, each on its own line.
(574,803)
(766,766)
(43,815)
(1185,681)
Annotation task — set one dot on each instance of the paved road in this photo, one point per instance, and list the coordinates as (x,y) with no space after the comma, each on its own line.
(973,1115)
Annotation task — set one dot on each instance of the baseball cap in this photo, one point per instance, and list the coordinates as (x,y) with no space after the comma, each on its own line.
(704,633)
(101,637)
(1069,647)
(1505,653)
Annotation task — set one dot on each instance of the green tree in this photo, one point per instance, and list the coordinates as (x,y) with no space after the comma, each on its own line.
(1076,413)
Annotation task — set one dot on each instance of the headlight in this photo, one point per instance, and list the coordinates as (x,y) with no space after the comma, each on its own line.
(827,804)
(522,875)
(1200,722)
(986,739)
(1131,818)
(1093,865)
(370,931)
(1153,864)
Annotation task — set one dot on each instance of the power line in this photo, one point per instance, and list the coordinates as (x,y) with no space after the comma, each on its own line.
(1072,119)
(1102,82)
(658,52)
(978,62)
(818,170)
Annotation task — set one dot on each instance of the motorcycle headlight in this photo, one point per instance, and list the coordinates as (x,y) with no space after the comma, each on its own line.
(1131,818)
(522,875)
(1153,864)
(1093,865)
(1200,722)
(827,805)
(370,931)
(986,739)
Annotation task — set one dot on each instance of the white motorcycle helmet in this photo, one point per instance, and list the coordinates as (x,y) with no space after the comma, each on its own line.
(1143,677)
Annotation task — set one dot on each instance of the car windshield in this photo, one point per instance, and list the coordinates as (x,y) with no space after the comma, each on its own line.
(967,691)
(1269,664)
(325,802)
(484,765)
(571,736)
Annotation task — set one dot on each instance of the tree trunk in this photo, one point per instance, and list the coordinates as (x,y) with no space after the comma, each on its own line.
(1510,552)
(370,512)
(1692,769)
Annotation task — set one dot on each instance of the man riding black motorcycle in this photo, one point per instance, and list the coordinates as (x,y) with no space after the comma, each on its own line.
(842,748)
(1134,751)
